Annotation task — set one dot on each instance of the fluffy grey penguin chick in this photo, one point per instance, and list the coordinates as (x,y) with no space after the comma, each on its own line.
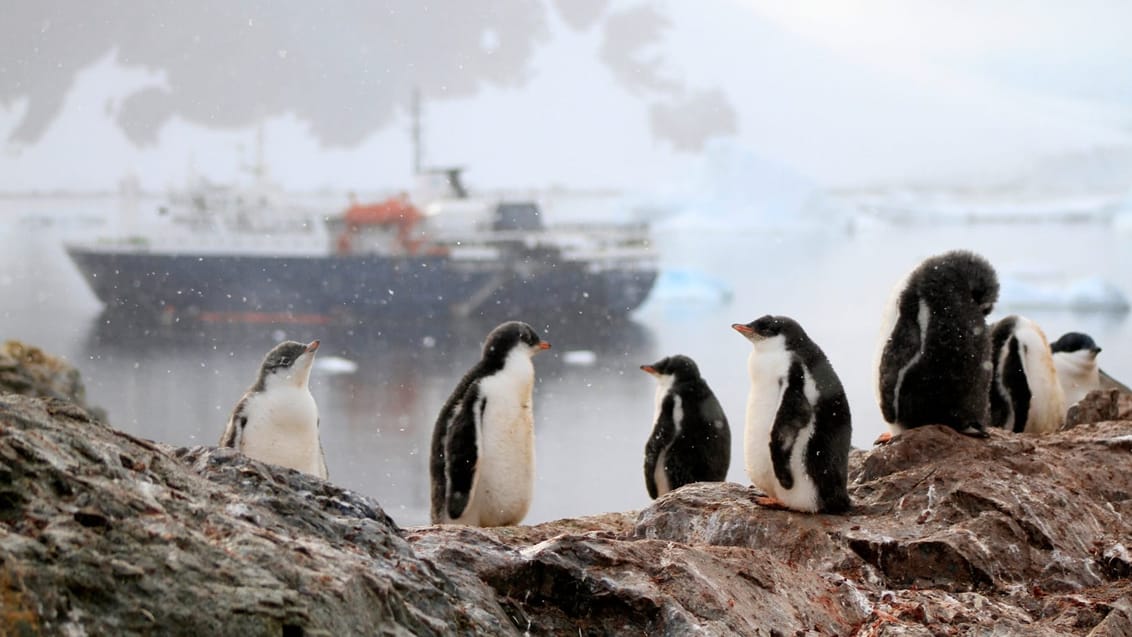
(935,362)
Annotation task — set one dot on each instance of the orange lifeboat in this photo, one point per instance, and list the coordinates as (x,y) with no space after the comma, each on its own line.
(396,211)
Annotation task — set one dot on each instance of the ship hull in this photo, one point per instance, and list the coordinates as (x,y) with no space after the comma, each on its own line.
(353,287)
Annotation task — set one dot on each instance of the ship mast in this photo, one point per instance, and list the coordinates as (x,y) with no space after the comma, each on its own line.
(415,111)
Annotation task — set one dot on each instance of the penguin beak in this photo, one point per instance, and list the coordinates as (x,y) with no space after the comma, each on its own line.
(543,345)
(648,369)
(745,330)
(313,346)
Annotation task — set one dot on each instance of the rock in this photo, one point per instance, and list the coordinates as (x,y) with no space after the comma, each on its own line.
(948,534)
(105,533)
(29,371)
(1099,405)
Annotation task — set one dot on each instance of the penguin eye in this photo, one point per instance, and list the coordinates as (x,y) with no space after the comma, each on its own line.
(284,361)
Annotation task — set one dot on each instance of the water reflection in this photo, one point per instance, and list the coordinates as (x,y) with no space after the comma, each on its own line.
(177,384)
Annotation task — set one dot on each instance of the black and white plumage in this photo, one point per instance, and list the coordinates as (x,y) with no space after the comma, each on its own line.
(1075,357)
(482,456)
(691,440)
(798,428)
(935,362)
(1025,393)
(277,421)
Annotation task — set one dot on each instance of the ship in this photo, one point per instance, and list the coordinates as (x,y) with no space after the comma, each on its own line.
(224,254)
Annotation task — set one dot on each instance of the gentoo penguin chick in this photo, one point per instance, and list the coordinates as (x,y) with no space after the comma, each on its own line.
(935,360)
(1025,394)
(1075,357)
(482,461)
(277,420)
(691,440)
(796,442)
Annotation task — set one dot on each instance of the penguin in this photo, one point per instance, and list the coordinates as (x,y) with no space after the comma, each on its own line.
(277,421)
(935,363)
(691,440)
(1075,357)
(1025,394)
(798,432)
(482,456)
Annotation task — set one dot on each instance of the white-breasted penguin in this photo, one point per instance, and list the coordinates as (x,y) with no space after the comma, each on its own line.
(1025,393)
(691,440)
(1075,357)
(277,421)
(935,361)
(799,428)
(482,464)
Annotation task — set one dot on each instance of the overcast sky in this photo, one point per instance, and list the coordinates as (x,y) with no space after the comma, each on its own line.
(571,92)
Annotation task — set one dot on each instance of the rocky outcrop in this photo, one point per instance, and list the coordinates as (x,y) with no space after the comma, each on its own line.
(1100,405)
(107,534)
(103,533)
(29,371)
(948,535)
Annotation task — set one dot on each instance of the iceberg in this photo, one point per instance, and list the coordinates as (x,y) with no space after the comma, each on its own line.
(1090,294)
(580,357)
(689,286)
(334,365)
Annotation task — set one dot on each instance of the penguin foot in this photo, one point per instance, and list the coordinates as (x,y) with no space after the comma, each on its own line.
(883,439)
(771,503)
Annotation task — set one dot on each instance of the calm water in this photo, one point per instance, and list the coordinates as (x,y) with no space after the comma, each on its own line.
(592,414)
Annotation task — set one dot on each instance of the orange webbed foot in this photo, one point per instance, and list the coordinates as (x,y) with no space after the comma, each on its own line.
(771,503)
(883,439)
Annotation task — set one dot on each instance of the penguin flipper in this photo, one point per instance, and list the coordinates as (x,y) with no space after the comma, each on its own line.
(905,338)
(461,451)
(662,435)
(794,414)
(234,432)
(323,471)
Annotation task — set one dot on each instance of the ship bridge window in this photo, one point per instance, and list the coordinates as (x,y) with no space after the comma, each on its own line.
(517,216)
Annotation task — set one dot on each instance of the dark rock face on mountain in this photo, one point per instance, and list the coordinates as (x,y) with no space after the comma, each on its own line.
(103,533)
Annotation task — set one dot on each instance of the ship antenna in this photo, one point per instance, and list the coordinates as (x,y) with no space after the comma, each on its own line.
(260,165)
(415,112)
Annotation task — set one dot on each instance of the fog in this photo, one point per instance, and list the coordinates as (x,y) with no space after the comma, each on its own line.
(581,94)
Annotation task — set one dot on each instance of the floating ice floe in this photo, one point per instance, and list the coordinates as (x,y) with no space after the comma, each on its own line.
(1092,294)
(689,286)
(335,365)
(581,357)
